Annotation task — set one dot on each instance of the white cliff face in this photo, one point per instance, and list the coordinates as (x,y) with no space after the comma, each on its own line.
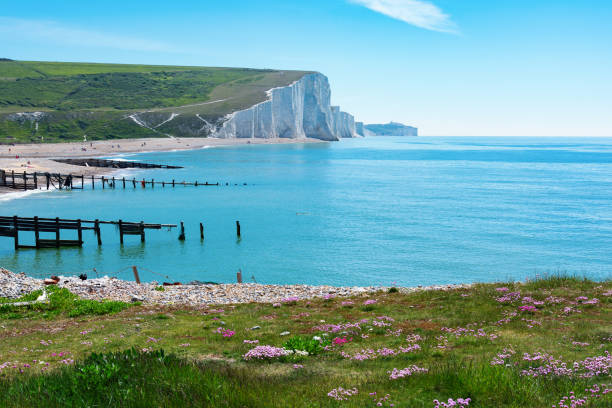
(359,128)
(297,111)
(343,123)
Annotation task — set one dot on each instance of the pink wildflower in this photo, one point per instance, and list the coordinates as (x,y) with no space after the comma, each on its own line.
(265,353)
(340,394)
(459,402)
(395,374)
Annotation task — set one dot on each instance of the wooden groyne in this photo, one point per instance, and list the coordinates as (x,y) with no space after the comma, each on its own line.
(11,226)
(115,164)
(35,181)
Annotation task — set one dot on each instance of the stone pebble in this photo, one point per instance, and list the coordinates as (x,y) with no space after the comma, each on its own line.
(14,285)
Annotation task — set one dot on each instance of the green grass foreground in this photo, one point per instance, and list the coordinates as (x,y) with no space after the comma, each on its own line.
(470,341)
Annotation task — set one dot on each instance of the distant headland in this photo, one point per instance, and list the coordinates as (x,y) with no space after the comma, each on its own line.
(387,129)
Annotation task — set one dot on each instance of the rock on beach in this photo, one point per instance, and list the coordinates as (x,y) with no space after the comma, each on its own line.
(13,285)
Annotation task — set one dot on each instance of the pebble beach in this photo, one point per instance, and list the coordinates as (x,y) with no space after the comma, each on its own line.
(14,285)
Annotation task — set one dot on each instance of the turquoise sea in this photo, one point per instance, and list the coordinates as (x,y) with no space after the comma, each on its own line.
(374,211)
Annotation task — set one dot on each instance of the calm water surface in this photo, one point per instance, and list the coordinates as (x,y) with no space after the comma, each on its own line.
(356,212)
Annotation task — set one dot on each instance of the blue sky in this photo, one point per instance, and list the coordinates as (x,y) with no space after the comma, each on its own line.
(450,67)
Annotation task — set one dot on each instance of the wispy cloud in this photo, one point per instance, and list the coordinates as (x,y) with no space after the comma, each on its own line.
(420,13)
(56,33)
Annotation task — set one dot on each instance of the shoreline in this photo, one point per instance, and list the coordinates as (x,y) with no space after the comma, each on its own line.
(14,285)
(38,157)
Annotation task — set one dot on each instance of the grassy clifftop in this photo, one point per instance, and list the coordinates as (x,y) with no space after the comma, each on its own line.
(492,345)
(96,100)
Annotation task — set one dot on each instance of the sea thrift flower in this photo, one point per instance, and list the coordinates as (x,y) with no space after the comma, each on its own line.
(395,333)
(265,353)
(298,366)
(225,332)
(251,341)
(340,394)
(276,305)
(380,402)
(395,373)
(509,297)
(459,402)
(571,401)
(341,340)
(370,302)
(153,340)
(500,358)
(504,289)
(527,308)
(413,338)
(291,299)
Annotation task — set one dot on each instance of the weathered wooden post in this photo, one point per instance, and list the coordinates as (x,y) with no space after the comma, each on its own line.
(13,177)
(16,228)
(142,232)
(113,181)
(93,183)
(82,182)
(172,182)
(134,182)
(201,231)
(25,180)
(238,228)
(152,183)
(136,277)
(97,231)
(36,233)
(124,183)
(121,232)
(48,177)
(239,276)
(35,181)
(102,182)
(182,234)
(196,183)
(80,232)
(57,232)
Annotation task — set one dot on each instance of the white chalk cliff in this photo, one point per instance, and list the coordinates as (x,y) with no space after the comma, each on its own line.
(297,111)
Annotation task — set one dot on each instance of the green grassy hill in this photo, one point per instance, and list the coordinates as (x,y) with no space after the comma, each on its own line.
(96,100)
